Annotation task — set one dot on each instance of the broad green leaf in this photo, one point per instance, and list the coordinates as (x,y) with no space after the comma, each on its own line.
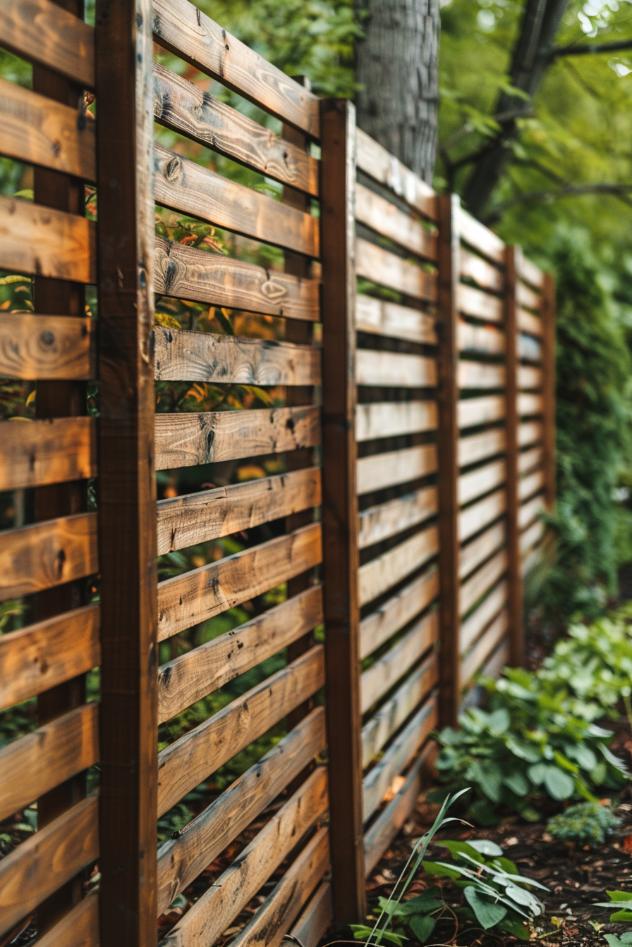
(485,847)
(558,783)
(422,927)
(486,912)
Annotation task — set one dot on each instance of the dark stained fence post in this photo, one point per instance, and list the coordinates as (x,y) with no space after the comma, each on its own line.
(127,496)
(448,471)
(340,508)
(548,317)
(514,564)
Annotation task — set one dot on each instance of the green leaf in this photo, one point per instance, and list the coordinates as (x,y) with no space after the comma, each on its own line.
(624,915)
(537,772)
(486,912)
(517,782)
(558,783)
(499,721)
(422,927)
(616,895)
(485,847)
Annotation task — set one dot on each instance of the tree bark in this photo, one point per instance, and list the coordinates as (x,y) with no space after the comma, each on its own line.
(397,70)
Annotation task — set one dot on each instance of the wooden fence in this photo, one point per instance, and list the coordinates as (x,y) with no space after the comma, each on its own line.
(271,500)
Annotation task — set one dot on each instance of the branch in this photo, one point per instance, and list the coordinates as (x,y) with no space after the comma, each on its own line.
(620,191)
(587,49)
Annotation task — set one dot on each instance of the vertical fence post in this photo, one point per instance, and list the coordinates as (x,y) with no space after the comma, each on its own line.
(127,494)
(514,563)
(340,508)
(548,318)
(448,460)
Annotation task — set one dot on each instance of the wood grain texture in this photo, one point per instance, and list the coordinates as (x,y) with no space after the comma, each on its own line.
(477,621)
(181,859)
(480,446)
(380,266)
(527,298)
(476,411)
(394,467)
(380,574)
(530,404)
(188,187)
(480,237)
(481,480)
(549,376)
(397,611)
(394,516)
(203,593)
(180,355)
(395,369)
(392,319)
(377,680)
(478,304)
(530,458)
(202,751)
(191,676)
(48,756)
(530,323)
(383,167)
(479,549)
(42,452)
(530,432)
(46,347)
(531,510)
(390,820)
(43,555)
(388,419)
(185,30)
(210,514)
(482,580)
(480,339)
(530,273)
(315,920)
(79,927)
(387,220)
(190,273)
(486,275)
(188,109)
(475,517)
(185,440)
(480,375)
(42,241)
(40,31)
(531,484)
(475,660)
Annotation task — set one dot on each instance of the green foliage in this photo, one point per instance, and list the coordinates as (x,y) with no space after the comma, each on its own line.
(621,901)
(587,823)
(535,746)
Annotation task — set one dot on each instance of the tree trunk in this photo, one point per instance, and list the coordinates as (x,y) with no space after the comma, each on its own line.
(396,68)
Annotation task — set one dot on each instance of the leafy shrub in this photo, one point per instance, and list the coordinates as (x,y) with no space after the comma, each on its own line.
(534,744)
(587,823)
(622,902)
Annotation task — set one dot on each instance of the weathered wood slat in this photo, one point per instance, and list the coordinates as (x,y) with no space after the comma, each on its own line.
(185,30)
(480,271)
(389,717)
(390,820)
(480,237)
(188,109)
(480,514)
(188,187)
(475,411)
(487,340)
(79,927)
(387,220)
(392,319)
(481,480)
(530,484)
(529,272)
(380,574)
(481,548)
(528,459)
(530,377)
(46,347)
(380,266)
(41,656)
(180,355)
(395,369)
(390,617)
(55,752)
(480,375)
(479,446)
(188,439)
(315,919)
(530,432)
(474,302)
(37,130)
(46,861)
(215,910)
(482,580)
(381,778)
(373,159)
(41,241)
(42,32)
(392,666)
(532,535)
(489,608)
(203,593)
(527,298)
(388,419)
(181,859)
(190,273)
(529,323)
(36,453)
(394,467)
(210,514)
(386,519)
(530,349)
(479,654)
(43,555)
(530,404)
(531,511)
(191,676)
(202,751)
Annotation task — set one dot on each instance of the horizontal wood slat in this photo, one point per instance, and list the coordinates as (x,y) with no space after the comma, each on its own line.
(180,355)
(41,31)
(480,514)
(380,574)
(532,535)
(390,617)
(481,480)
(387,220)
(373,159)
(36,453)
(475,411)
(530,404)
(37,130)
(474,302)
(527,298)
(188,187)
(481,548)
(184,29)
(474,625)
(480,271)
(46,242)
(479,654)
(380,266)
(189,439)
(480,237)
(315,919)
(531,510)
(530,377)
(529,272)
(395,369)
(46,347)
(480,375)
(186,108)
(529,323)
(479,446)
(530,458)
(529,485)
(203,593)
(394,516)
(473,337)
(392,319)
(190,273)
(530,432)
(394,467)
(388,419)
(210,514)
(482,580)
(202,751)
(191,676)
(79,927)
(391,666)
(43,555)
